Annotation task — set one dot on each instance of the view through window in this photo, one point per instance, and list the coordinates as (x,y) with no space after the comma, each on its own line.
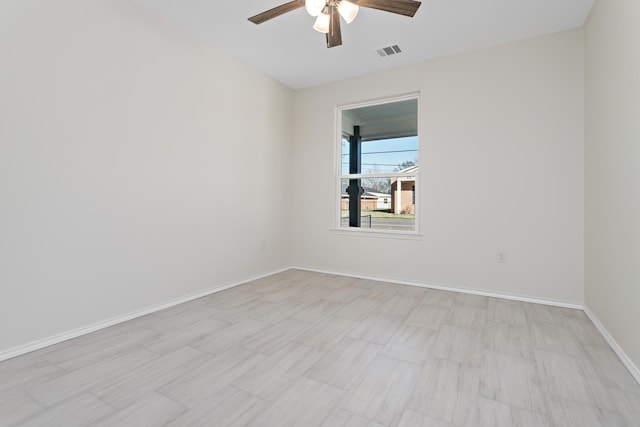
(379,165)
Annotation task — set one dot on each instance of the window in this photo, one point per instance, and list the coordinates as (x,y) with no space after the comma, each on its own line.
(378,165)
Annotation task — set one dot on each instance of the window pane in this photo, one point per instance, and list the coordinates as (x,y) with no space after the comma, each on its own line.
(391,208)
(344,159)
(383,155)
(389,155)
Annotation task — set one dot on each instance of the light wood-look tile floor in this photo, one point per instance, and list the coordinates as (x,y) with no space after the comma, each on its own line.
(309,349)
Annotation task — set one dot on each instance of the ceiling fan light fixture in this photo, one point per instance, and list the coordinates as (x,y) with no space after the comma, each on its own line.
(322,23)
(314,7)
(328,13)
(348,11)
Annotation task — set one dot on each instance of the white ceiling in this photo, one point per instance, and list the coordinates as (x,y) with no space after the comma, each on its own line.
(289,50)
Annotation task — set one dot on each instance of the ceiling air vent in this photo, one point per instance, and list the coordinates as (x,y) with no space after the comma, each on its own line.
(388,51)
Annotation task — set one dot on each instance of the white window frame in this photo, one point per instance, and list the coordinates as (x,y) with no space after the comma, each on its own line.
(338,229)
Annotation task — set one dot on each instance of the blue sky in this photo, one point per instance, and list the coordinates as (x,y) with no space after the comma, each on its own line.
(383,155)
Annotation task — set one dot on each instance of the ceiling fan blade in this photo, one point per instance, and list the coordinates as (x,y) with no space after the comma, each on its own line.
(276,11)
(334,36)
(401,7)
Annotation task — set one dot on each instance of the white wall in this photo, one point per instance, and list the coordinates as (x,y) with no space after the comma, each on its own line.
(612,170)
(137,165)
(502,168)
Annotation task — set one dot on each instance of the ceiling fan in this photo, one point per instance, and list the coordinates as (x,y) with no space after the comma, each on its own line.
(328,12)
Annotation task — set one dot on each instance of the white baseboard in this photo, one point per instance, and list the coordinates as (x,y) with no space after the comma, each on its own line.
(633,369)
(628,363)
(58,338)
(448,288)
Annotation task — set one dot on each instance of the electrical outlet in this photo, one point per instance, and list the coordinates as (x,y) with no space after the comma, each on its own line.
(502,257)
(263,245)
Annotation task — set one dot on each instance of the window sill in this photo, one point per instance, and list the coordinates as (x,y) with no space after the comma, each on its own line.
(384,234)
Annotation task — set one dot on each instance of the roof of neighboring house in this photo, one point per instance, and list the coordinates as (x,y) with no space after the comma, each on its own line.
(377,194)
(368,194)
(409,169)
